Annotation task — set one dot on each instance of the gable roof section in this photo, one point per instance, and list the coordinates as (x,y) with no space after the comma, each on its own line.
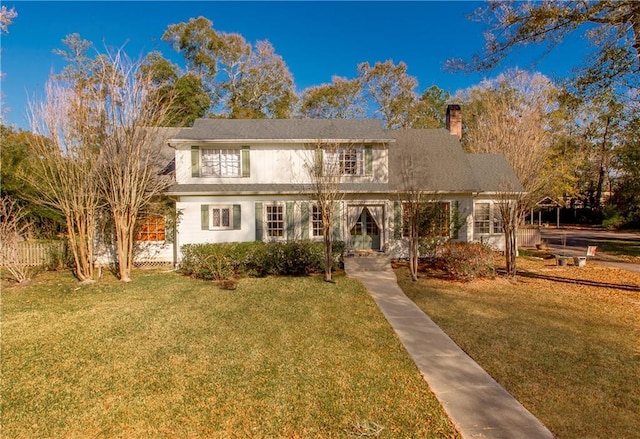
(286,130)
(437,158)
(494,174)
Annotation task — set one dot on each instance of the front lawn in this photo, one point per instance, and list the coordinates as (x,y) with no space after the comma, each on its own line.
(169,356)
(570,353)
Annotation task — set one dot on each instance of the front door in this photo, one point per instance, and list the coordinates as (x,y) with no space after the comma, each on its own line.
(365,234)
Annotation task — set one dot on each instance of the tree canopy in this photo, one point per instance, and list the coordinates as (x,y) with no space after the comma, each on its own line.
(612,28)
(243,81)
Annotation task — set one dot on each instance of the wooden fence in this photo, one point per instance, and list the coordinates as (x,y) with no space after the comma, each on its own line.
(37,254)
(528,237)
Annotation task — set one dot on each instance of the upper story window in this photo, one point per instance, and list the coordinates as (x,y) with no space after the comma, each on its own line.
(346,161)
(220,163)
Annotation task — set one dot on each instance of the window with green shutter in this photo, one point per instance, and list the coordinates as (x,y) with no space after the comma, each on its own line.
(216,162)
(220,217)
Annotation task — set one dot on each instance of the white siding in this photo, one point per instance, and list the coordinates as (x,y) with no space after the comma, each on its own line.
(274,164)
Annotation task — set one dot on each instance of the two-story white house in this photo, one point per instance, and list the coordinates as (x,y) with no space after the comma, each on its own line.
(248,180)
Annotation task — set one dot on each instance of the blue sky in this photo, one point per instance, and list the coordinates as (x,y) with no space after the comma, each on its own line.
(316,39)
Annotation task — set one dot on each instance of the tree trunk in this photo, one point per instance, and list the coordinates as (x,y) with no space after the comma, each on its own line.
(328,258)
(413,257)
(122,250)
(510,250)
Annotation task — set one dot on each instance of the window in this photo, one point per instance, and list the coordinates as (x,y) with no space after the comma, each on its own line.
(274,221)
(482,218)
(220,163)
(345,161)
(316,221)
(434,219)
(487,219)
(497,217)
(221,217)
(152,229)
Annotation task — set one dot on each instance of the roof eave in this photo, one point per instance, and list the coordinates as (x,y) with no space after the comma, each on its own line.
(173,142)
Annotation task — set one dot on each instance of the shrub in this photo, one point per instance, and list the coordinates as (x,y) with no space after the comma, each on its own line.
(207,261)
(466,261)
(255,259)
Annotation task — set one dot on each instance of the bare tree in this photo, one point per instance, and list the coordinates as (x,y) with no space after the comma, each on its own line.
(425,221)
(510,116)
(98,146)
(66,130)
(130,156)
(13,227)
(412,197)
(323,168)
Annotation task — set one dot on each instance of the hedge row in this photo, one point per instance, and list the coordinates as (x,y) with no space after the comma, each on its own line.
(255,259)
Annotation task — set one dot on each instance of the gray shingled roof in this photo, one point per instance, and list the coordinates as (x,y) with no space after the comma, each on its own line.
(279,189)
(437,158)
(290,129)
(493,173)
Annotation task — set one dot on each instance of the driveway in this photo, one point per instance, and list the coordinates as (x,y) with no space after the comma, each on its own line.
(577,239)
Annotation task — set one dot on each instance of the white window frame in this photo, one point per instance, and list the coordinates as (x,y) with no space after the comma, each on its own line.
(219,162)
(268,221)
(492,223)
(346,161)
(315,223)
(217,215)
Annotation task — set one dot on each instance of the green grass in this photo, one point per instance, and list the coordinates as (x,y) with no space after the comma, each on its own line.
(568,353)
(169,356)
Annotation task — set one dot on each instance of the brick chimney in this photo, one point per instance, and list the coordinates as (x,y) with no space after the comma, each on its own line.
(454,120)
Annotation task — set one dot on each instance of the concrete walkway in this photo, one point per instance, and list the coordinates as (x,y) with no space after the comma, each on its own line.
(477,405)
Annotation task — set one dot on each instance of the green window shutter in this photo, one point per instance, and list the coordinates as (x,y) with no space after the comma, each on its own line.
(290,222)
(246,162)
(259,218)
(336,221)
(236,217)
(318,166)
(397,220)
(304,218)
(368,160)
(204,215)
(195,161)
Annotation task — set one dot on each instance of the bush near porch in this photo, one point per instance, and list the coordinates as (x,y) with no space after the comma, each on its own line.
(256,259)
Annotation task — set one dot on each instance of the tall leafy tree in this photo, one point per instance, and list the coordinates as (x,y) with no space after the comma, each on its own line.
(626,197)
(243,81)
(17,157)
(341,99)
(430,108)
(612,28)
(392,89)
(186,93)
